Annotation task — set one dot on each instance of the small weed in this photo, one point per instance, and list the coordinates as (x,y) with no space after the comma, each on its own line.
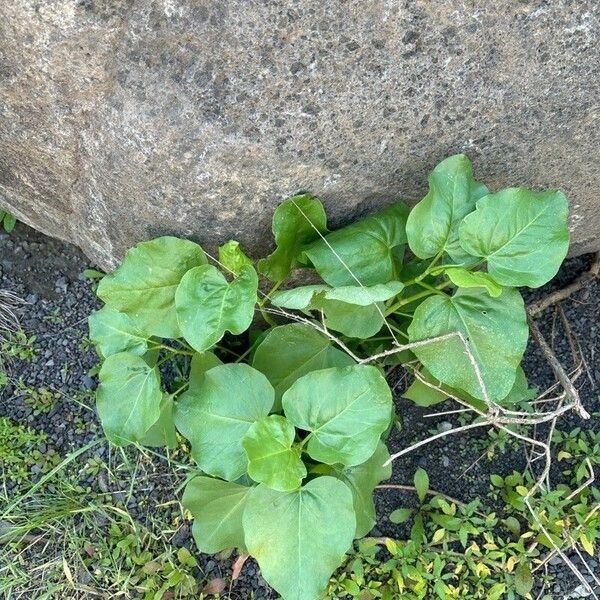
(22,448)
(19,345)
(41,400)
(54,316)
(7,221)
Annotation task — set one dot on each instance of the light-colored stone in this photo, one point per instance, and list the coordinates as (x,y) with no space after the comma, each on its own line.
(125,119)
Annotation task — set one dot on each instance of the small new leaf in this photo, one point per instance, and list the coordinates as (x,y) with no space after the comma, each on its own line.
(432,225)
(232,257)
(296,222)
(474,279)
(523,579)
(272,457)
(421,483)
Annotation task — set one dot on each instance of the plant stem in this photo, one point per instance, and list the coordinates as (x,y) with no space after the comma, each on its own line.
(172,350)
(261,304)
(304,441)
(268,295)
(418,296)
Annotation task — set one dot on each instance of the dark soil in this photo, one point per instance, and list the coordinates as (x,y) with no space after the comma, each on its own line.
(48,275)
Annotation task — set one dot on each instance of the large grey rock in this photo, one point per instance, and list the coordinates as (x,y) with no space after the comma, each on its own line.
(125,119)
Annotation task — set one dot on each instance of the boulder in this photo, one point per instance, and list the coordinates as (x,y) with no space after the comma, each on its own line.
(122,120)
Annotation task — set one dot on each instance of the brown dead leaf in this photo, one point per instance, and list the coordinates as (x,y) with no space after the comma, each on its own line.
(237,566)
(214,586)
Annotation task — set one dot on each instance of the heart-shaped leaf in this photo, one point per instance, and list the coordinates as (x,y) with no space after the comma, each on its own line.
(345,409)
(144,285)
(300,537)
(272,457)
(217,507)
(208,305)
(362,480)
(215,417)
(296,222)
(128,398)
(468,279)
(112,331)
(290,351)
(432,226)
(523,235)
(366,252)
(496,330)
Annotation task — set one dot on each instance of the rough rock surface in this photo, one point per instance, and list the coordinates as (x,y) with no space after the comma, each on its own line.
(125,119)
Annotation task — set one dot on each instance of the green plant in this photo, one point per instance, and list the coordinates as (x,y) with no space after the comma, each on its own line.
(18,345)
(41,400)
(20,451)
(454,550)
(7,221)
(579,446)
(286,422)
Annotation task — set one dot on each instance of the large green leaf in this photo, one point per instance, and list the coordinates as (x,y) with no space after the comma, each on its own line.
(365,252)
(200,363)
(304,297)
(296,222)
(272,457)
(362,480)
(300,537)
(496,330)
(144,285)
(208,305)
(112,331)
(217,507)
(162,432)
(432,225)
(354,311)
(290,351)
(232,257)
(345,409)
(215,417)
(522,235)
(128,398)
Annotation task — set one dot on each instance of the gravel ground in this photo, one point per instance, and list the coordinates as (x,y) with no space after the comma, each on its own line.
(48,275)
